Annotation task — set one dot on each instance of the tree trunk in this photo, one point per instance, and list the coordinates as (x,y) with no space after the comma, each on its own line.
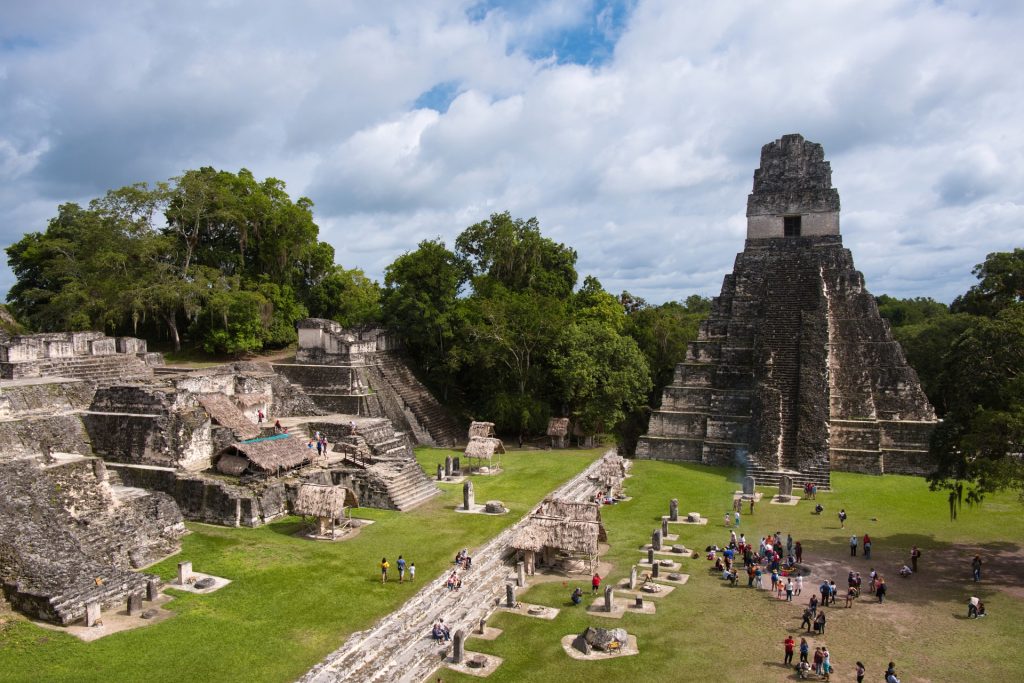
(172,327)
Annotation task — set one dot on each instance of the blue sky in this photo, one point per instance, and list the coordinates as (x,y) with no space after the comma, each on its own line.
(630,129)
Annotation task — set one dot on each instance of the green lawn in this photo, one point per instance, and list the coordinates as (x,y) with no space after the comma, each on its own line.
(707,630)
(292,601)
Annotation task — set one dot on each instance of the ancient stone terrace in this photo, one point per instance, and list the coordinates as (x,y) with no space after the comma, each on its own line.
(359,372)
(794,371)
(80,355)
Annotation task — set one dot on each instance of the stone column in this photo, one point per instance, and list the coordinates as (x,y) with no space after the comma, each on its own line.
(184,573)
(748,485)
(456,465)
(785,486)
(650,555)
(510,595)
(152,589)
(655,569)
(447,465)
(639,602)
(656,540)
(92,613)
(440,472)
(664,528)
(520,574)
(632,578)
(458,647)
(609,599)
(482,625)
(468,497)
(673,510)
(134,604)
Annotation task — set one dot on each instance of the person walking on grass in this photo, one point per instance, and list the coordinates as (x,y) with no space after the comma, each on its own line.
(842,518)
(860,672)
(826,662)
(412,572)
(807,619)
(384,566)
(798,548)
(789,590)
(788,644)
(737,517)
(866,544)
(595,583)
(401,569)
(853,545)
(799,584)
(751,506)
(804,650)
(915,553)
(727,518)
(976,567)
(881,589)
(817,660)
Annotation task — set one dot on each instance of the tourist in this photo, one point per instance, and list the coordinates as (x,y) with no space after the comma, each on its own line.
(825,591)
(826,662)
(384,569)
(259,417)
(860,672)
(976,567)
(319,448)
(595,583)
(818,509)
(832,592)
(813,604)
(972,608)
(803,670)
(401,569)
(577,595)
(817,660)
(750,576)
(774,579)
(759,576)
(799,549)
(789,590)
(906,572)
(799,584)
(808,617)
(804,649)
(727,519)
(278,429)
(751,505)
(890,674)
(873,575)
(881,589)
(853,545)
(814,491)
(842,518)
(819,623)
(737,516)
(851,593)
(915,553)
(412,571)
(789,544)
(788,644)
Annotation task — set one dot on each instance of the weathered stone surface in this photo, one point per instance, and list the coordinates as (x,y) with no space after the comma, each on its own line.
(468,498)
(602,638)
(149,614)
(632,578)
(609,599)
(749,486)
(495,507)
(785,486)
(794,369)
(656,540)
(510,596)
(673,510)
(447,465)
(693,517)
(203,584)
(664,528)
(458,647)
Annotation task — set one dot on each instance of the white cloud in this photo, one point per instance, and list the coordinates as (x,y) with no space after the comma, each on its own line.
(641,162)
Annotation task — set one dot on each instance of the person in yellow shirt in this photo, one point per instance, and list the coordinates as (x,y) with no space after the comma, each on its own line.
(384,569)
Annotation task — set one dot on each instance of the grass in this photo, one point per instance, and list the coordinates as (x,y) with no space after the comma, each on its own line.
(292,601)
(707,630)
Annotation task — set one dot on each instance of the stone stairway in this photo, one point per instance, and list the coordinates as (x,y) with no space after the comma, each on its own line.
(818,475)
(409,486)
(428,412)
(104,370)
(399,647)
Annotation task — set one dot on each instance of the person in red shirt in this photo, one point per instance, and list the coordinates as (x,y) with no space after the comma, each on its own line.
(788,643)
(595,583)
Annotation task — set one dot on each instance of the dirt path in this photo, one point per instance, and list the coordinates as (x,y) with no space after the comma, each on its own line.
(399,647)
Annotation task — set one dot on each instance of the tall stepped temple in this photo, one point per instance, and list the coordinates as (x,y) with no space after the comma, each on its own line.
(794,372)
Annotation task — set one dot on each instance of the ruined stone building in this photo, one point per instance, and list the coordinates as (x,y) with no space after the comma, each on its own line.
(104,451)
(359,372)
(794,371)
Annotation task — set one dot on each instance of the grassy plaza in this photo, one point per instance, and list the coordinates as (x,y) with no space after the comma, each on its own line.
(292,600)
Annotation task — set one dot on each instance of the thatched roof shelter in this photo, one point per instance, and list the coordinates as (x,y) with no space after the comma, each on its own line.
(270,454)
(612,471)
(562,527)
(224,412)
(484,448)
(318,500)
(558,426)
(480,429)
(232,464)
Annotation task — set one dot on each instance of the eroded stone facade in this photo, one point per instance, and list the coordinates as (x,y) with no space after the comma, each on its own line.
(794,371)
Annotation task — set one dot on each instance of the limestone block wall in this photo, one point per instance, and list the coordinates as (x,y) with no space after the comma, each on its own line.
(46,397)
(33,435)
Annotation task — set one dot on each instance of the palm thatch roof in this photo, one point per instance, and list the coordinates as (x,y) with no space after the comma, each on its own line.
(570,526)
(484,447)
(317,500)
(558,426)
(225,413)
(481,429)
(282,451)
(232,464)
(577,538)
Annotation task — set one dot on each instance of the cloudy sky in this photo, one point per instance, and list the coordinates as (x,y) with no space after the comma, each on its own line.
(630,129)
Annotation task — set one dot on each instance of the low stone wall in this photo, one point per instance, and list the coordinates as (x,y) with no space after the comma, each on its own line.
(32,436)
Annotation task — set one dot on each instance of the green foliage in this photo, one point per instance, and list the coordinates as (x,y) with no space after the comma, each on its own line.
(901,312)
(925,346)
(347,296)
(1001,284)
(111,267)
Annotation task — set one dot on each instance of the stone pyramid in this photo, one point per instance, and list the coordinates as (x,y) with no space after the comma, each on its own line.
(794,371)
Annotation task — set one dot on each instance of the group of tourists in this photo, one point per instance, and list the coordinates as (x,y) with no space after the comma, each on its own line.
(401,565)
(440,631)
(320,442)
(821,664)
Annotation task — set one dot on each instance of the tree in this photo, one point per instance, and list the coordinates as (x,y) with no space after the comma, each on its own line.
(346,296)
(1001,284)
(602,374)
(901,312)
